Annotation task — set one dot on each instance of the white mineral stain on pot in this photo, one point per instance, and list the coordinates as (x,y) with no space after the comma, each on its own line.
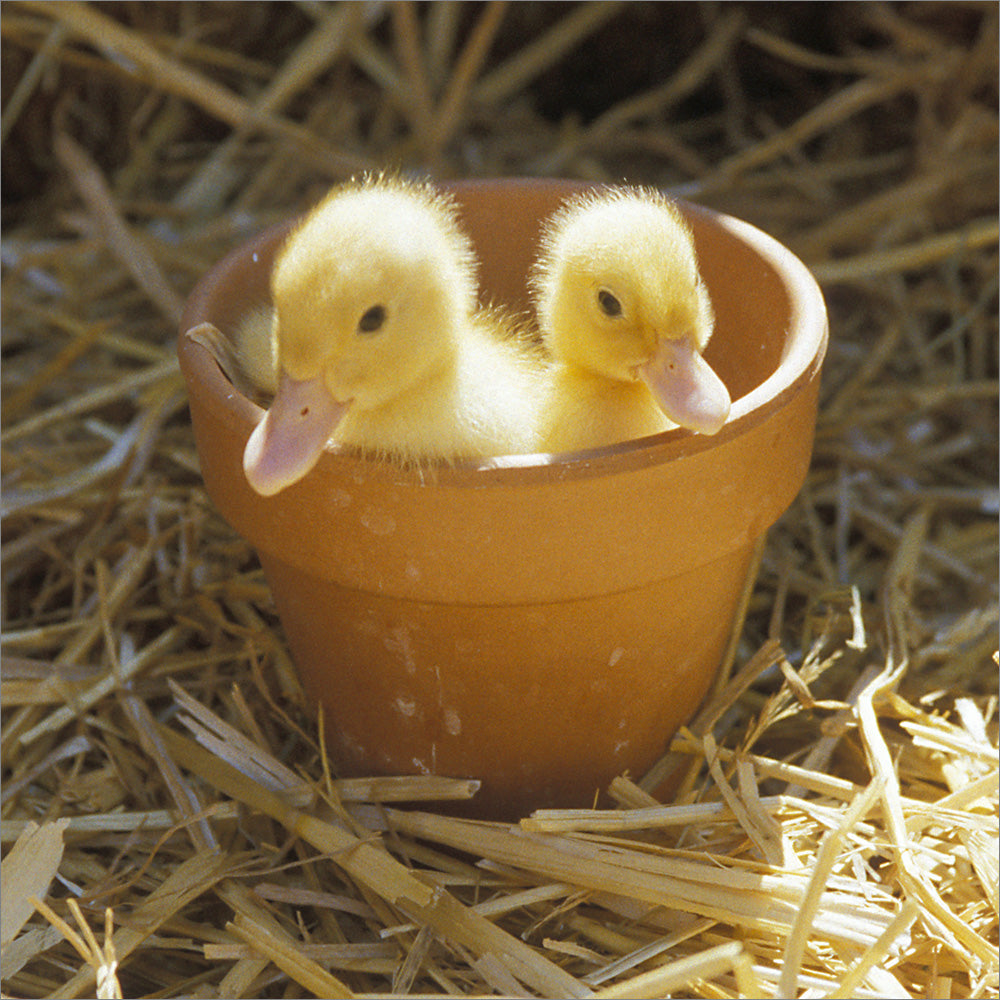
(412,571)
(378,522)
(351,745)
(405,706)
(398,641)
(339,499)
(616,654)
(452,722)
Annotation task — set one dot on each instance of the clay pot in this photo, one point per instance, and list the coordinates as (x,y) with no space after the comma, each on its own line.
(543,624)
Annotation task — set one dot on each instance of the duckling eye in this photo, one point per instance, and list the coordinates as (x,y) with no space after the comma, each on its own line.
(372,320)
(610,306)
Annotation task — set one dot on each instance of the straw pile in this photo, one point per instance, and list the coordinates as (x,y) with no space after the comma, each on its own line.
(169,823)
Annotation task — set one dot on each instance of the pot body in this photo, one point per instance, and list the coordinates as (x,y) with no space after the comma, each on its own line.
(540,623)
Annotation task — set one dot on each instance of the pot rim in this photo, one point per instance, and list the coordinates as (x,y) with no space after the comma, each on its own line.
(800,363)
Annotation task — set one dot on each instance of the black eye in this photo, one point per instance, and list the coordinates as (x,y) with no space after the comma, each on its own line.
(610,306)
(372,320)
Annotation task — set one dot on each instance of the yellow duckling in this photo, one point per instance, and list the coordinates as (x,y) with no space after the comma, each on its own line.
(625,316)
(379,343)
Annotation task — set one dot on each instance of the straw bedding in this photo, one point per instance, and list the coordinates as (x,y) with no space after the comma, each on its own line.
(170,826)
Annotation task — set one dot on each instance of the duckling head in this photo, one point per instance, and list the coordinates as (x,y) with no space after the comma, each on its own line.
(618,293)
(368,292)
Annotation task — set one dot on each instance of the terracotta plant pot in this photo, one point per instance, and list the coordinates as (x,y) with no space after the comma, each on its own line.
(543,624)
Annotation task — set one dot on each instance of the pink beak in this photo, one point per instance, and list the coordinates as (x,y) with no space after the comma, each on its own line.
(686,388)
(288,442)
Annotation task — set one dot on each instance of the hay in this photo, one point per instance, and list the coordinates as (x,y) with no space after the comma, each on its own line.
(170,823)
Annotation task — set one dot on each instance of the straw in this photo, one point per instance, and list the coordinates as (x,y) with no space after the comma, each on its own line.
(826,824)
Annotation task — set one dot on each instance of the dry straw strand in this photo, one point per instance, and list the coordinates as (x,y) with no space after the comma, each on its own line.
(26,872)
(107,34)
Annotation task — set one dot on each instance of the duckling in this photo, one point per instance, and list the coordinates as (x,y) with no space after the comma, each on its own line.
(625,316)
(379,342)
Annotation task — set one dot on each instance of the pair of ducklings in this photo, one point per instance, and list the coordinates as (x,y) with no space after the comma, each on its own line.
(375,341)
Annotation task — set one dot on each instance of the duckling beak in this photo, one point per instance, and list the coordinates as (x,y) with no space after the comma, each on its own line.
(686,388)
(288,442)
